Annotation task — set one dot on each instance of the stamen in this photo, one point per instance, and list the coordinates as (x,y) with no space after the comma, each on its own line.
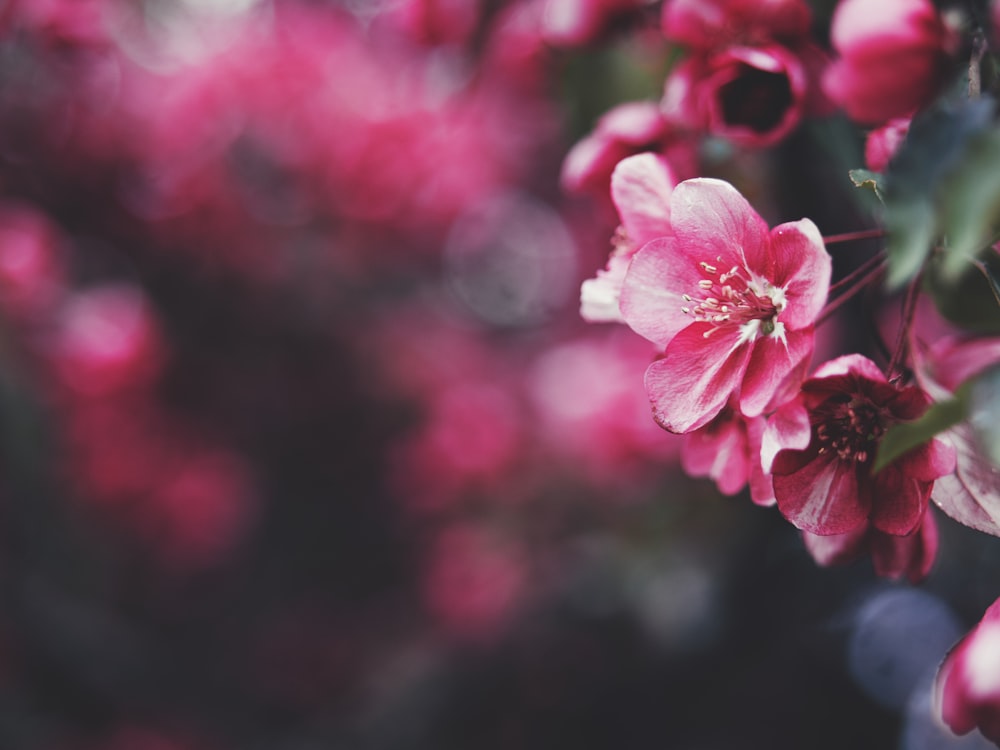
(708,268)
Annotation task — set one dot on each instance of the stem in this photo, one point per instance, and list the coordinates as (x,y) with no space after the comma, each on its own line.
(862,234)
(909,310)
(975,74)
(857,273)
(862,277)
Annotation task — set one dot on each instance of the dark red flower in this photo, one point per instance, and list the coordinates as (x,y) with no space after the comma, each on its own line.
(827,439)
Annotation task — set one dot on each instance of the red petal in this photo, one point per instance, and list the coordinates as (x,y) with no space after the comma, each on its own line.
(820,494)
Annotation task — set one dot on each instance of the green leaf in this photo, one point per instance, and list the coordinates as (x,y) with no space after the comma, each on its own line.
(917,181)
(865,178)
(905,436)
(971,203)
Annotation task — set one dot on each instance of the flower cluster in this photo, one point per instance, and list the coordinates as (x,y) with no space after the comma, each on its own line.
(850,451)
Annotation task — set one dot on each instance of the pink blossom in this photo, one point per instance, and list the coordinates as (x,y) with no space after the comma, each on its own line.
(732,303)
(753,72)
(715,23)
(894,57)
(640,189)
(727,450)
(577,22)
(754,96)
(31,276)
(474,580)
(910,556)
(593,412)
(827,439)
(883,143)
(970,495)
(628,129)
(107,340)
(967,688)
(435,22)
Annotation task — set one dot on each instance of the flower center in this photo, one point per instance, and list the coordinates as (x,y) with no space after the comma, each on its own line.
(851,429)
(735,298)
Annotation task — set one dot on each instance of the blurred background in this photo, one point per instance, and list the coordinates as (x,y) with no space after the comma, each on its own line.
(304,445)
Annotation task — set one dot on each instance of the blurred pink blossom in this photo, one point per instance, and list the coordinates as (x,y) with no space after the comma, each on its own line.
(894,57)
(967,688)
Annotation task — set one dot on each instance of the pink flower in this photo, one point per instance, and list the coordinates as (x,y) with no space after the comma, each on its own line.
(107,340)
(628,129)
(894,57)
(967,689)
(578,22)
(31,278)
(883,143)
(727,450)
(971,495)
(754,96)
(732,303)
(827,439)
(753,72)
(894,557)
(714,23)
(640,189)
(474,580)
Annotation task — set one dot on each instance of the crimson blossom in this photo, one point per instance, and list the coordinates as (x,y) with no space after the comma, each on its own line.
(967,689)
(823,445)
(731,302)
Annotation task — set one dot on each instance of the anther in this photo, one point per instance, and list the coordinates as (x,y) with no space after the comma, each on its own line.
(708,267)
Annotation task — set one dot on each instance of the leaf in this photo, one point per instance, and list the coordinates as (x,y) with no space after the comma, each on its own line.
(971,204)
(865,178)
(905,436)
(915,184)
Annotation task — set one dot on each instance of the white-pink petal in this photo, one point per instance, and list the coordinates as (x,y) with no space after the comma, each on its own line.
(652,300)
(640,189)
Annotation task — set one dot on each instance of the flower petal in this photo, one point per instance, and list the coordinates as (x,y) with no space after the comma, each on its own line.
(799,264)
(715,224)
(719,450)
(787,429)
(771,363)
(911,556)
(902,499)
(820,493)
(695,378)
(640,188)
(599,296)
(652,298)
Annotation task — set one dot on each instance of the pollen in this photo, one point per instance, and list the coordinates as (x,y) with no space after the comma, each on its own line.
(851,430)
(735,298)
